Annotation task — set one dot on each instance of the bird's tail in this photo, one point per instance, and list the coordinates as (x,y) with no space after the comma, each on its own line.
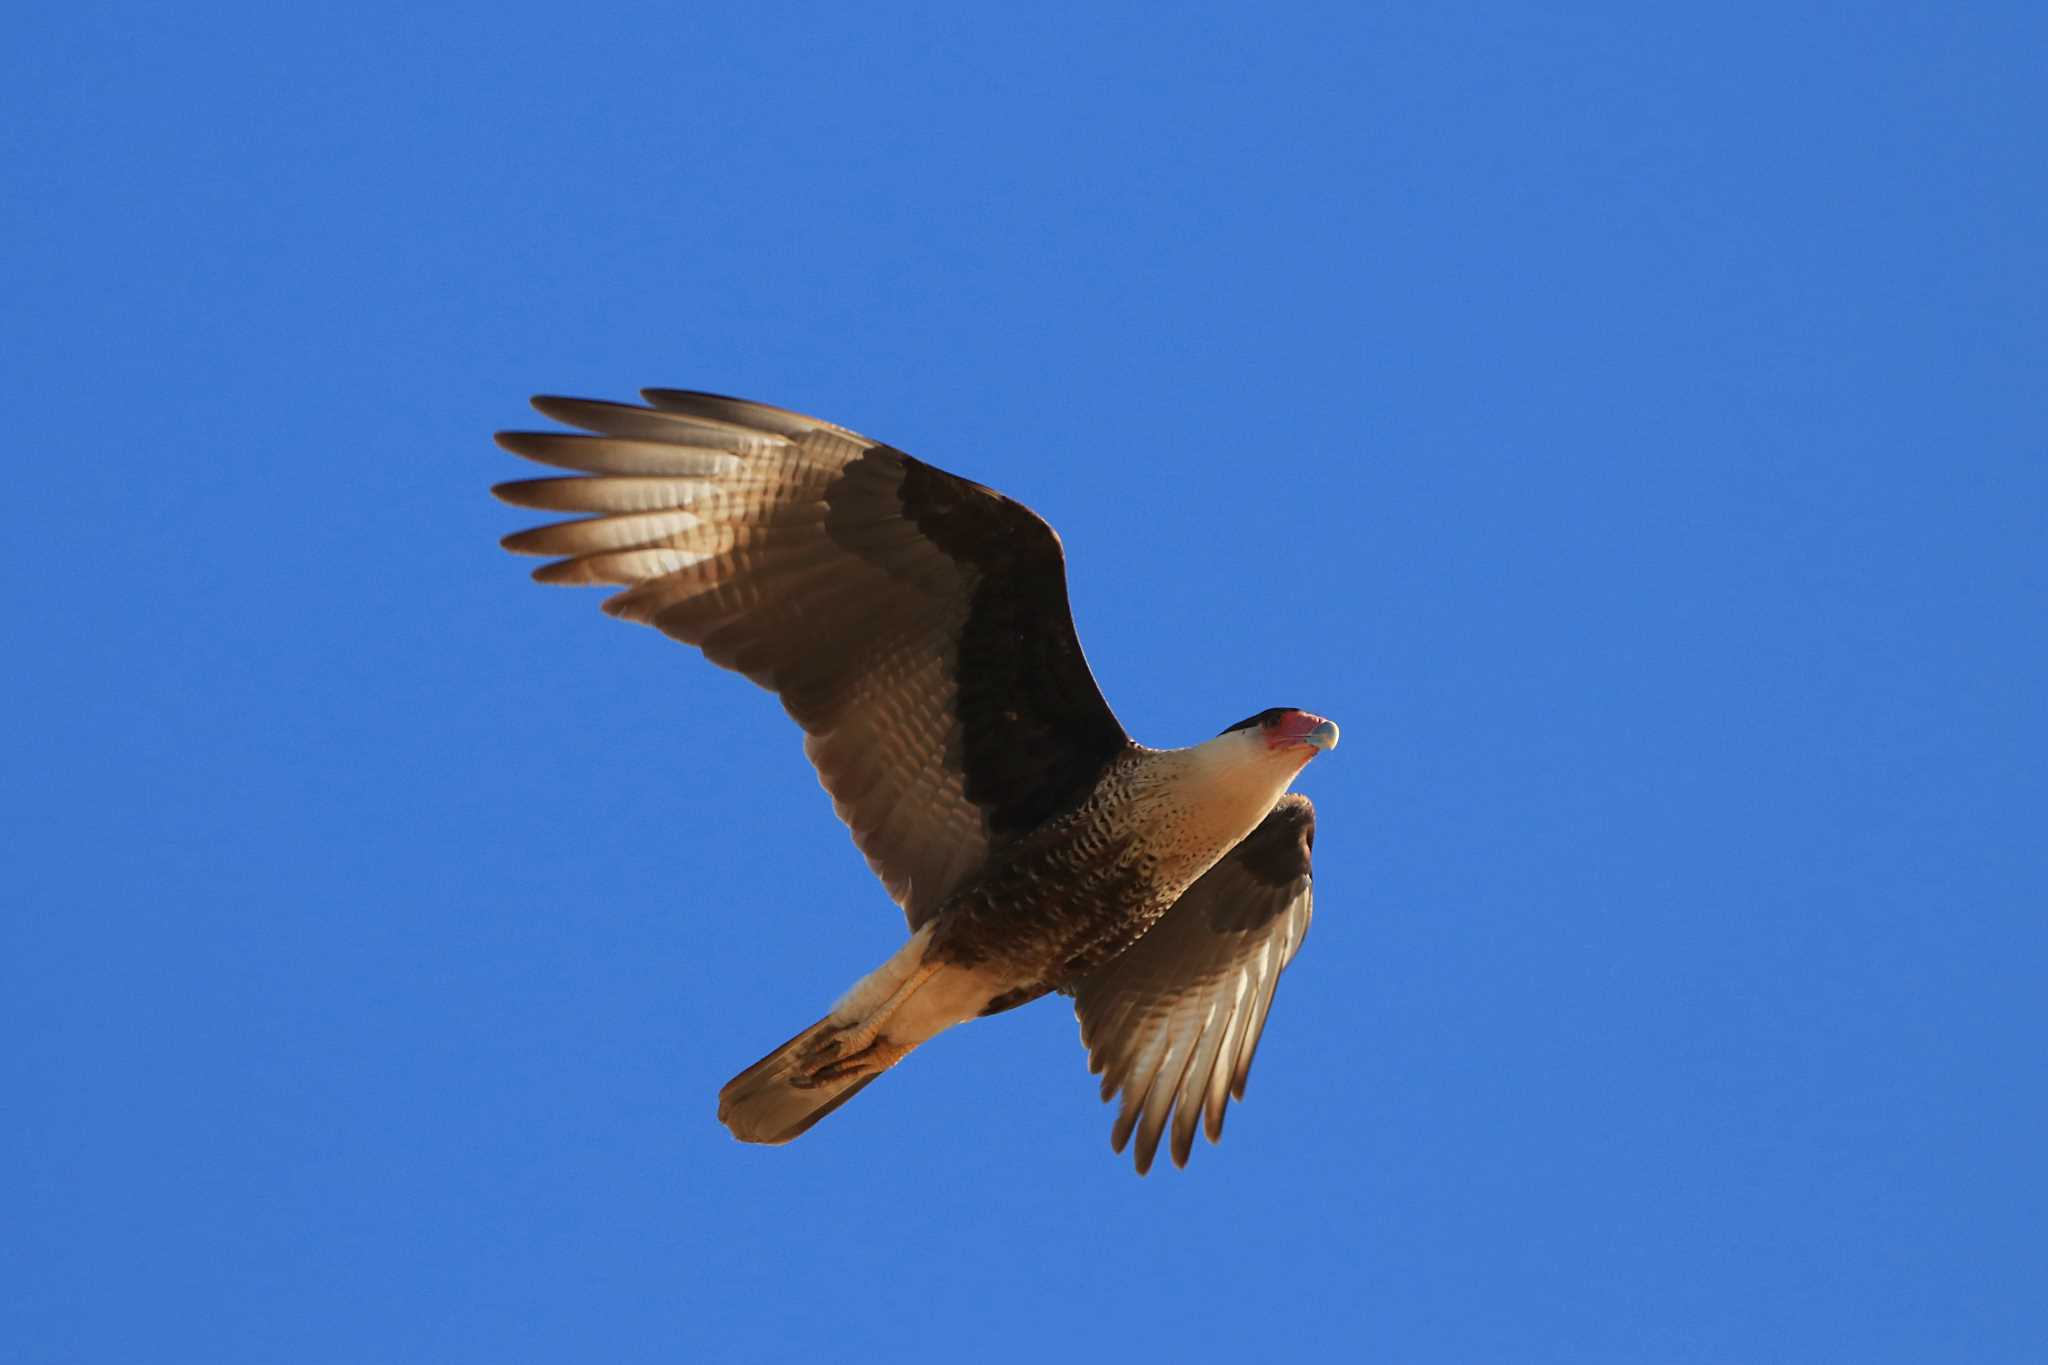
(776,1098)
(899,1005)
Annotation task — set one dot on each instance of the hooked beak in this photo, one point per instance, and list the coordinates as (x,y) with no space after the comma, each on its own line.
(1324,736)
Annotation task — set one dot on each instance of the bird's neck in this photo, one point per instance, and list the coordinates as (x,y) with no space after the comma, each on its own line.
(1194,805)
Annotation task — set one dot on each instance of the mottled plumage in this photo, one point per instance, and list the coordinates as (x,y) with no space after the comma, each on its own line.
(916,626)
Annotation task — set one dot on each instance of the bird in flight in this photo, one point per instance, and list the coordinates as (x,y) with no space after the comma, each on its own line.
(916,626)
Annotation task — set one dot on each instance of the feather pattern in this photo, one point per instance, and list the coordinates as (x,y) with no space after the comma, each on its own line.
(1173,1022)
(915,624)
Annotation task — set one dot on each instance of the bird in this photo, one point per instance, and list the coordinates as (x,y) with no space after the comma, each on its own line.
(916,626)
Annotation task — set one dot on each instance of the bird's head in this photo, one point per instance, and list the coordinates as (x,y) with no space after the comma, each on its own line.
(1286,733)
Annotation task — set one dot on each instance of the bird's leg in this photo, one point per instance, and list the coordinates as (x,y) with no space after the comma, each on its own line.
(860,1049)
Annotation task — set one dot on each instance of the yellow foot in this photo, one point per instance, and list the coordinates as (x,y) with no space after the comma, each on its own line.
(860,1049)
(872,1060)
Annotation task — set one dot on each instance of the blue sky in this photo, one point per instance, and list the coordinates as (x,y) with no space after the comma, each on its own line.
(1629,426)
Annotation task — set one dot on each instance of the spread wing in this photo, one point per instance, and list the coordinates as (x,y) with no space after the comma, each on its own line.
(913,623)
(1173,1022)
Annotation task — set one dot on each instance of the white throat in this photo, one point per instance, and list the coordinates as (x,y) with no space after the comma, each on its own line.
(1197,803)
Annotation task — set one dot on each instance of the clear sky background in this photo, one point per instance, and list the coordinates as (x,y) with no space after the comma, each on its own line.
(1629,427)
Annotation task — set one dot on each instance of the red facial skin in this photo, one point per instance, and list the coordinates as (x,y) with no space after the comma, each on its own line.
(1303,732)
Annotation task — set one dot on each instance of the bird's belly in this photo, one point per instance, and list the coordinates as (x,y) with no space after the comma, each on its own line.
(1046,930)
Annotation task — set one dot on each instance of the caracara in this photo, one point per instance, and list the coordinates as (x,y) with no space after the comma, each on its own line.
(916,626)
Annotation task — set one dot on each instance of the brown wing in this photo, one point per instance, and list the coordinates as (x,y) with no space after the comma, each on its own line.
(915,624)
(1173,1022)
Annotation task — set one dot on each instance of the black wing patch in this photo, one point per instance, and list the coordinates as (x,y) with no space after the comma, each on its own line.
(915,624)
